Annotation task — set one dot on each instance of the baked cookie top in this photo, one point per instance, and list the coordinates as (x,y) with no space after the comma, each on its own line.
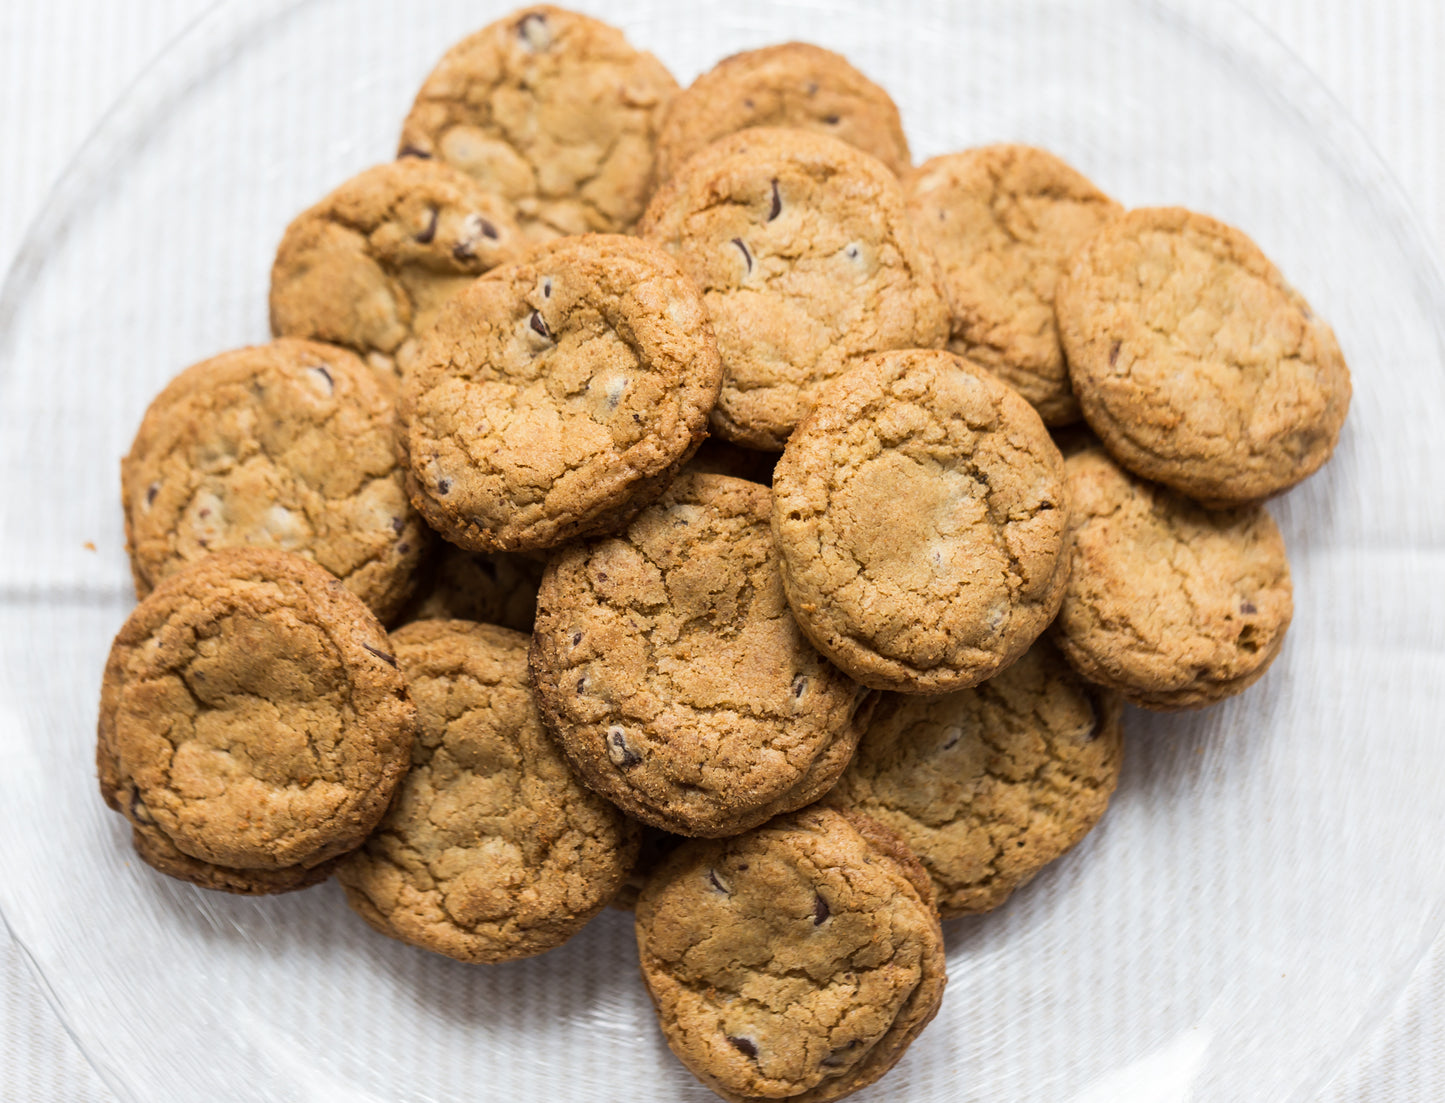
(554,398)
(499,588)
(370,265)
(990,784)
(920,514)
(673,675)
(1173,605)
(807,261)
(1002,221)
(1195,362)
(252,717)
(794,85)
(552,111)
(492,849)
(796,961)
(291,446)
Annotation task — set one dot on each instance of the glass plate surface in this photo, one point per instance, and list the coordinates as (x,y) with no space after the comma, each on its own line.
(1267,876)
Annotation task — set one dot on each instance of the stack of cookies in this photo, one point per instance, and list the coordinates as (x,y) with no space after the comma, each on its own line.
(676,499)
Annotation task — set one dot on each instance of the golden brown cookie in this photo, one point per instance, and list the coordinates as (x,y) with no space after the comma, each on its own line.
(807,261)
(556,397)
(1173,605)
(1195,362)
(552,111)
(290,445)
(370,266)
(797,961)
(920,514)
(253,722)
(794,85)
(990,784)
(494,589)
(673,675)
(492,849)
(1002,221)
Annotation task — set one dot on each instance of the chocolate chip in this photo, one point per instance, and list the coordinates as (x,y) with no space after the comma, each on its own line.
(427,236)
(444,486)
(821,911)
(1113,354)
(151,492)
(622,756)
(746,1046)
(390,660)
(576,638)
(746,255)
(403,548)
(547,288)
(800,683)
(777,207)
(582,684)
(853,252)
(748,103)
(138,810)
(488,230)
(832,120)
(1247,608)
(414,151)
(951,743)
(532,29)
(326,383)
(539,325)
(206,512)
(742,866)
(811,88)
(718,883)
(601,576)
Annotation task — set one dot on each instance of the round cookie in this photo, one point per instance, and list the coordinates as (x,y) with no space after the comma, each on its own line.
(920,513)
(1173,605)
(1002,221)
(556,397)
(291,446)
(493,589)
(492,849)
(673,675)
(796,961)
(253,722)
(794,85)
(1195,362)
(370,266)
(552,111)
(807,261)
(990,784)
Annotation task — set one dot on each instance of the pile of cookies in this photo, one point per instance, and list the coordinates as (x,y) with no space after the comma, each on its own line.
(449,592)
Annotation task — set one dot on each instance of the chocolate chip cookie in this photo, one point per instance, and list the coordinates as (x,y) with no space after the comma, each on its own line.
(370,265)
(492,850)
(1002,221)
(795,85)
(555,397)
(290,445)
(1173,605)
(253,722)
(807,261)
(798,961)
(493,589)
(1195,362)
(673,675)
(920,514)
(553,112)
(990,784)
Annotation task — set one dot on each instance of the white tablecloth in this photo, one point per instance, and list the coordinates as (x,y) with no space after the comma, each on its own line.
(62,63)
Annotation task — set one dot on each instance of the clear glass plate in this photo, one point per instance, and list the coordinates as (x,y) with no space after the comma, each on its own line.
(1268,875)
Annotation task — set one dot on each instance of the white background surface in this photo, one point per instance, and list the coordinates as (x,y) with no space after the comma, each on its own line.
(63,62)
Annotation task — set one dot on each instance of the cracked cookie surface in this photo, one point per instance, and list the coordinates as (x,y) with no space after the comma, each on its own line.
(253,722)
(371,265)
(1195,362)
(990,784)
(1002,220)
(493,589)
(672,673)
(554,112)
(556,397)
(795,85)
(807,262)
(492,849)
(1173,605)
(920,513)
(796,961)
(290,445)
